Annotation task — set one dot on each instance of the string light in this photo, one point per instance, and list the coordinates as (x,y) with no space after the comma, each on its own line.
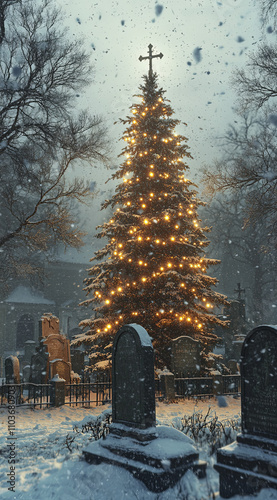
(169,261)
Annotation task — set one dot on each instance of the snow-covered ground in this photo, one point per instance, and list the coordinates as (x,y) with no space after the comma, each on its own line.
(50,464)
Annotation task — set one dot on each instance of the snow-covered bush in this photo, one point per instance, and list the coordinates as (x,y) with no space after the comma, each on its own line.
(207,431)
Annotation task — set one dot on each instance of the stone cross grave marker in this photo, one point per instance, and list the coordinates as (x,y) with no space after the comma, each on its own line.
(250,463)
(157,455)
(186,358)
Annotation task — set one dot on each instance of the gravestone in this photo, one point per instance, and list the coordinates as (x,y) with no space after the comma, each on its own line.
(157,455)
(61,368)
(53,353)
(48,325)
(133,379)
(250,463)
(12,370)
(40,366)
(29,351)
(186,358)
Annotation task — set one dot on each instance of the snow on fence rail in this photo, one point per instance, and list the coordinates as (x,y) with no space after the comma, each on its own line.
(205,386)
(41,395)
(100,391)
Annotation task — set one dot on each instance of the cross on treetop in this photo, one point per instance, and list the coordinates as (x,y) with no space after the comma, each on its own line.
(150,57)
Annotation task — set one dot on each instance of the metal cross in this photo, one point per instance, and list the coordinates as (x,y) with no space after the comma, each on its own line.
(150,57)
(239,291)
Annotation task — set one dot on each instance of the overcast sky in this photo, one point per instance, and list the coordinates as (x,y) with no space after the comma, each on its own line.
(202,43)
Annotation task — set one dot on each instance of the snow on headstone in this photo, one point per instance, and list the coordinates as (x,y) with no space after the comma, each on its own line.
(157,455)
(133,377)
(250,463)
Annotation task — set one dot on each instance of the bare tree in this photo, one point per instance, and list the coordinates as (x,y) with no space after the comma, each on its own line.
(41,134)
(245,254)
(268,10)
(248,166)
(257,83)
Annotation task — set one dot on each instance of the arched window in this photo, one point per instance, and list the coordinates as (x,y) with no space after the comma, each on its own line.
(25,330)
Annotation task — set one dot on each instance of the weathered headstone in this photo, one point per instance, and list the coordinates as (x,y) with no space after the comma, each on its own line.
(12,370)
(40,366)
(53,354)
(158,456)
(250,463)
(62,368)
(186,358)
(48,325)
(29,351)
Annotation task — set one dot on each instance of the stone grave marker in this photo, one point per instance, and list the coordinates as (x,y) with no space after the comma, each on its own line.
(133,379)
(40,366)
(250,463)
(53,353)
(12,370)
(48,325)
(186,358)
(157,455)
(61,368)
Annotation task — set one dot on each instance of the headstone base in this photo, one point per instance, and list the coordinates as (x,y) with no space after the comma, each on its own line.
(158,456)
(247,465)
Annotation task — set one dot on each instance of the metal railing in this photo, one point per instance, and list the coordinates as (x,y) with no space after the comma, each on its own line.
(204,386)
(231,384)
(197,386)
(26,394)
(88,393)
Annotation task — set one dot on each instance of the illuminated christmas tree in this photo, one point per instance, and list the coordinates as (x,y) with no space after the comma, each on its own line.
(153,270)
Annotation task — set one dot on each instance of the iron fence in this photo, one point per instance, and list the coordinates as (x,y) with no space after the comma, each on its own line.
(204,386)
(88,393)
(26,394)
(197,386)
(231,384)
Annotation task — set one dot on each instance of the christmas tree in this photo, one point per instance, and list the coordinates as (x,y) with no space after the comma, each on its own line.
(152,271)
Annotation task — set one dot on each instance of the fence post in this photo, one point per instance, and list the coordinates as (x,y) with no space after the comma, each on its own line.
(168,385)
(57,394)
(217,383)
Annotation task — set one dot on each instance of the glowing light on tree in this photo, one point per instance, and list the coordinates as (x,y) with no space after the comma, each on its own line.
(153,268)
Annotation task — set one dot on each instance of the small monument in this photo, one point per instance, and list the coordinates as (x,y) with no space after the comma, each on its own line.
(12,370)
(157,455)
(53,353)
(39,373)
(186,359)
(250,463)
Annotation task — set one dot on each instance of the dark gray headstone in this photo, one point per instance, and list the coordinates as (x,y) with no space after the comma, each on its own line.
(186,358)
(249,464)
(159,456)
(259,383)
(133,378)
(40,367)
